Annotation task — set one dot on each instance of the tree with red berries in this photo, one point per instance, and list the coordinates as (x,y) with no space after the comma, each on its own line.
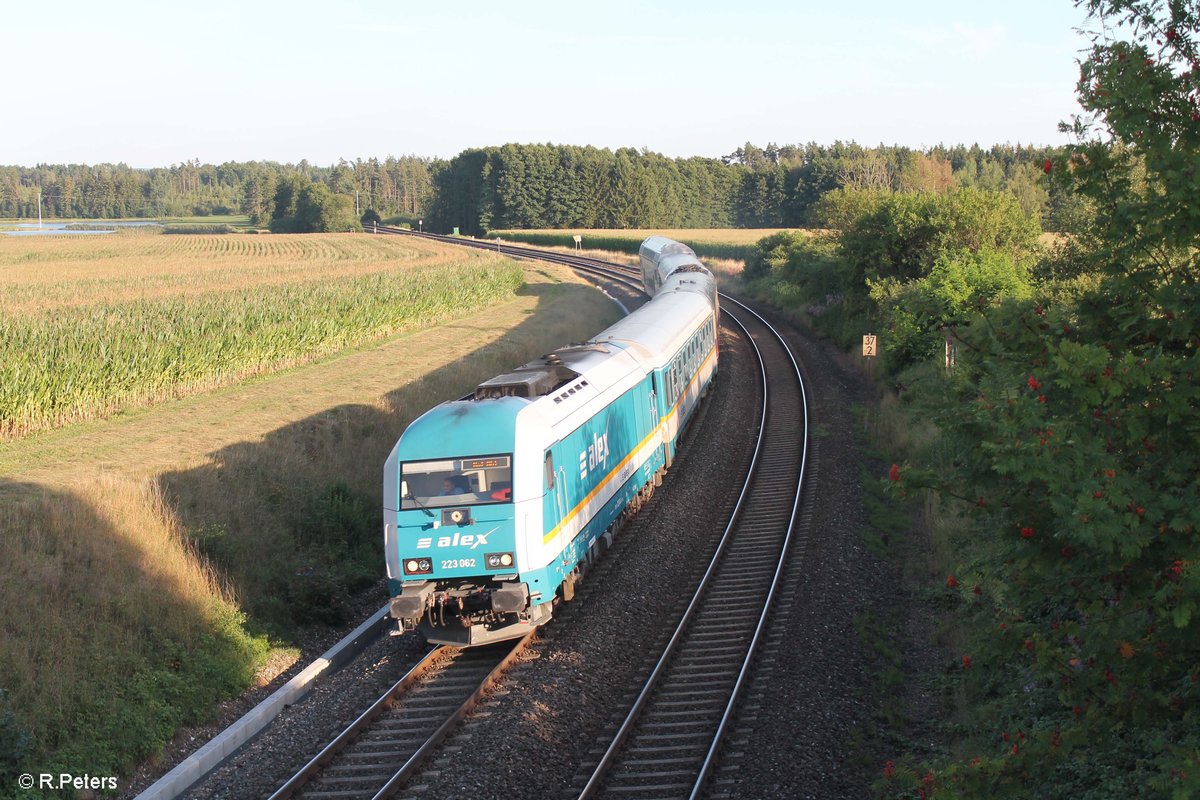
(1073,445)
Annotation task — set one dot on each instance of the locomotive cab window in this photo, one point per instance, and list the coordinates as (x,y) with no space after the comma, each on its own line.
(474,480)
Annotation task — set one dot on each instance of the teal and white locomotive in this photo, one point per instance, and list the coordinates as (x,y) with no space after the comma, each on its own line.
(493,504)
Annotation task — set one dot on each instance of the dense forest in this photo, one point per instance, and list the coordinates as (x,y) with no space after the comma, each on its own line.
(554,186)
(549,186)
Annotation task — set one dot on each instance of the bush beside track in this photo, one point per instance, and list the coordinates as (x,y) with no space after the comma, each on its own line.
(1053,462)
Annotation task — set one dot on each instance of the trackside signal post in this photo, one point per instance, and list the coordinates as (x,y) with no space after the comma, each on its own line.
(870,349)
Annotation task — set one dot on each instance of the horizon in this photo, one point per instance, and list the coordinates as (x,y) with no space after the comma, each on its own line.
(356,159)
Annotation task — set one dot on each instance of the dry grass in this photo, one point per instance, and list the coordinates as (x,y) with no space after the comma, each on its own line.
(893,430)
(96,581)
(54,273)
(344,416)
(392,375)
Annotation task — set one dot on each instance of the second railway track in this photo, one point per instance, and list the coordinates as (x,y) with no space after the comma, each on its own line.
(669,742)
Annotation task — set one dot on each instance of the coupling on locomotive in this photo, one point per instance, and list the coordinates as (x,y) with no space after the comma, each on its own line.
(495,503)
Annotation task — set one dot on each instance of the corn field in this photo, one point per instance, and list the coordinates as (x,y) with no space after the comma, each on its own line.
(207,314)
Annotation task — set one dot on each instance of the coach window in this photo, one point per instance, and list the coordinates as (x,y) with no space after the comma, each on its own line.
(549,470)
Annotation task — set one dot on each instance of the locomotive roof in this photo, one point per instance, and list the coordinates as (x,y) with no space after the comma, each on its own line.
(463,428)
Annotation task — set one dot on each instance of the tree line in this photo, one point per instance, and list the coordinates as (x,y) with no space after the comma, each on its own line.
(392,186)
(557,186)
(561,186)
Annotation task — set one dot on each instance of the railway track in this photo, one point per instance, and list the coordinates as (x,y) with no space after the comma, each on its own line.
(668,743)
(377,753)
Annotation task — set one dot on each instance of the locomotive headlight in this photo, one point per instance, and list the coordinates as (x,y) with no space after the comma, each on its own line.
(498,560)
(418,566)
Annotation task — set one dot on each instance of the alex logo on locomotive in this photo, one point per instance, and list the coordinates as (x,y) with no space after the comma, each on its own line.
(596,455)
(469,540)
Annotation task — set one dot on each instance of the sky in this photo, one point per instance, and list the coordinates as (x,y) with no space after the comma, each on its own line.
(153,83)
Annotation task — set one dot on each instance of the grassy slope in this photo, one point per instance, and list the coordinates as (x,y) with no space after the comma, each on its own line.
(115,632)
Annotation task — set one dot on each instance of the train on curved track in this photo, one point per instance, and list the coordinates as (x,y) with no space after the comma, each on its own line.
(494,504)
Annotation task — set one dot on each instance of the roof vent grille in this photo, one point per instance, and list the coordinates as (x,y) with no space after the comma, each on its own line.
(533,380)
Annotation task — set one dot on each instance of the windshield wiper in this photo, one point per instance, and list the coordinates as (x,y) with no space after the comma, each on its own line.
(418,504)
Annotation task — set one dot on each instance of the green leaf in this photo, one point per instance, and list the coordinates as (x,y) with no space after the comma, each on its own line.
(1182,615)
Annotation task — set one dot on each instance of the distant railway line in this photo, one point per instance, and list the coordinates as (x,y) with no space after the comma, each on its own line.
(624,277)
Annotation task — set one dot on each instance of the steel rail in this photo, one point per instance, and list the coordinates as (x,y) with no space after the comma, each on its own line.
(468,705)
(391,779)
(731,706)
(364,720)
(652,681)
(665,747)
